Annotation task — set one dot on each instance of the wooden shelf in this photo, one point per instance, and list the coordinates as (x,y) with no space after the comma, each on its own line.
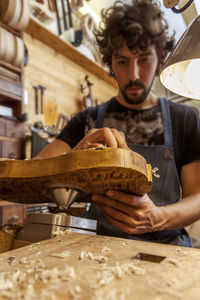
(14,31)
(41,33)
(10,66)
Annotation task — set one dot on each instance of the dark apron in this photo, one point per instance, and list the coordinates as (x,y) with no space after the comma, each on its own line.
(165,191)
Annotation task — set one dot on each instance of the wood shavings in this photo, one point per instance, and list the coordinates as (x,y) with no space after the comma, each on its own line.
(53,275)
(28,280)
(23,260)
(182,252)
(109,273)
(110,295)
(105,250)
(33,246)
(61,255)
(124,244)
(39,263)
(11,259)
(60,233)
(171,282)
(172,261)
(132,269)
(75,291)
(88,255)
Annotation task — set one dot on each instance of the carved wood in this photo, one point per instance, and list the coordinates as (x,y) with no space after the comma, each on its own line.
(91,170)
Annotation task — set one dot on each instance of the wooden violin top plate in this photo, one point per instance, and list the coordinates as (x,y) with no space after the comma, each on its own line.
(94,170)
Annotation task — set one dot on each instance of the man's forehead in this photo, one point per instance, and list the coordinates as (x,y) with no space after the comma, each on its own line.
(125,51)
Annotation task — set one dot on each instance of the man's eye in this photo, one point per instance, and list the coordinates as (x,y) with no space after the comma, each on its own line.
(144,59)
(121,62)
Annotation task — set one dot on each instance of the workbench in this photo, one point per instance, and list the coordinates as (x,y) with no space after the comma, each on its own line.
(80,266)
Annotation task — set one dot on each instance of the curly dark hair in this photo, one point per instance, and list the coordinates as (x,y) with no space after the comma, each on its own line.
(139,23)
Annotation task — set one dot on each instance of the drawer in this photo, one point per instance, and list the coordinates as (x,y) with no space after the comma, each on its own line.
(11,128)
(2,127)
(12,149)
(15,129)
(12,214)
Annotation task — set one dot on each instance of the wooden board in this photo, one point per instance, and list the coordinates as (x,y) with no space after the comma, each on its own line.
(94,170)
(37,30)
(110,270)
(62,78)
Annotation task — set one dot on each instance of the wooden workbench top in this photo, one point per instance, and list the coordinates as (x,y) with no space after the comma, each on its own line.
(78,266)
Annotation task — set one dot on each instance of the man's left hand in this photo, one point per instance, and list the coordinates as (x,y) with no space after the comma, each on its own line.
(131,214)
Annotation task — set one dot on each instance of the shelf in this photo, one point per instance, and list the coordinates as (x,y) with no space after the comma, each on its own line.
(10,67)
(15,32)
(41,33)
(10,89)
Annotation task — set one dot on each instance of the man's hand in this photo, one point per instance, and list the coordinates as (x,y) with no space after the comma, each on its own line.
(131,214)
(102,137)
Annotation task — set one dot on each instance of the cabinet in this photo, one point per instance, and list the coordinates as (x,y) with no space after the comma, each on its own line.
(12,213)
(12,131)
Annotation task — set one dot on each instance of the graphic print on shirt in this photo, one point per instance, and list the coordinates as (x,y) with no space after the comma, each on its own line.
(139,127)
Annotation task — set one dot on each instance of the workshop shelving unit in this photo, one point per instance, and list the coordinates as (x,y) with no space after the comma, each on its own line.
(11,95)
(12,132)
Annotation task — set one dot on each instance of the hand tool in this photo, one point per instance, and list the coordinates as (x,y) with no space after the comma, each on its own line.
(64,15)
(42,89)
(36,88)
(58,18)
(43,226)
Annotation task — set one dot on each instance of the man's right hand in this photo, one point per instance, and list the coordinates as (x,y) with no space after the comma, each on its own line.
(103,137)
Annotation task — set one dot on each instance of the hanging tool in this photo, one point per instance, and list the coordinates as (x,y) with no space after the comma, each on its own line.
(36,88)
(58,18)
(71,29)
(64,15)
(69,14)
(42,89)
(89,96)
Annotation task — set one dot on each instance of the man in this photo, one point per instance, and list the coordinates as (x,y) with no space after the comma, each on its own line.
(133,44)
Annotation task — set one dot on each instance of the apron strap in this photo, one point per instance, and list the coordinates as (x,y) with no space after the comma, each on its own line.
(100,115)
(168,137)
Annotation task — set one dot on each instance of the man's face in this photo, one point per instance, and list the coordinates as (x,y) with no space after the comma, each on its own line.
(135,72)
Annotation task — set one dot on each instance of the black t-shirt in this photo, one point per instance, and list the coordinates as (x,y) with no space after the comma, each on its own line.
(143,127)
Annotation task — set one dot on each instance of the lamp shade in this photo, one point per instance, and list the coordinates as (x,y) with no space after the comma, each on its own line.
(180,72)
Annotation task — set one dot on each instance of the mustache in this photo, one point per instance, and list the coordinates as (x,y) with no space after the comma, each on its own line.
(136,84)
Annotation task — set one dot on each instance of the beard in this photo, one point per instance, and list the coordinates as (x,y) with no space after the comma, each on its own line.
(135,99)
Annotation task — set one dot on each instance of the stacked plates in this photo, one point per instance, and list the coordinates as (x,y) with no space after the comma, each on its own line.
(15,13)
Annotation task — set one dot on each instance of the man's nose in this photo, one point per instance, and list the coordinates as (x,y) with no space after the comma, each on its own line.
(134,71)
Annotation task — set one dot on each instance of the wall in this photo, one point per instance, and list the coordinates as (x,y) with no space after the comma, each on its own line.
(62,79)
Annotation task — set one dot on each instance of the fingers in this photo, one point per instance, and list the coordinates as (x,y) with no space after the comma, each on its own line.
(123,227)
(124,223)
(128,199)
(120,139)
(102,137)
(130,213)
(87,145)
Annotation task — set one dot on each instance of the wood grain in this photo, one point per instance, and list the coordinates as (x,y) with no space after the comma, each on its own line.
(91,170)
(37,30)
(62,78)
(46,276)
